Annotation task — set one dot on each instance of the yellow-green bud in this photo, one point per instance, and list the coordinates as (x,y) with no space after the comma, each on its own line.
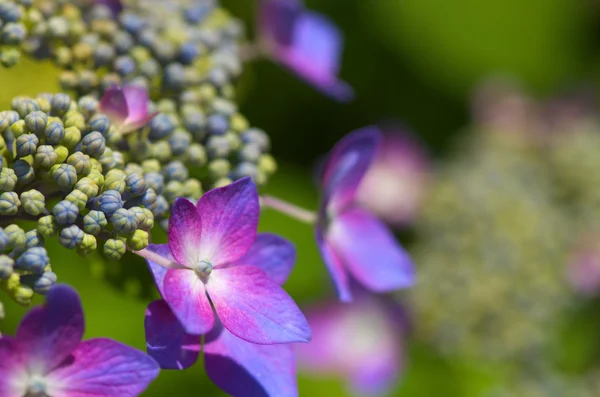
(72,137)
(138,240)
(88,245)
(78,198)
(47,226)
(114,249)
(62,153)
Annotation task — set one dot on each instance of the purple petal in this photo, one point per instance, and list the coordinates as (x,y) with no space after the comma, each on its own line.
(229,218)
(114,104)
(273,254)
(166,340)
(137,100)
(12,368)
(255,308)
(158,271)
(49,333)
(185,231)
(370,251)
(245,369)
(277,20)
(103,368)
(339,274)
(346,165)
(115,6)
(186,296)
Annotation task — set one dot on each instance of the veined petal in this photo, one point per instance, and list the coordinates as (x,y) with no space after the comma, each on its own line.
(185,294)
(166,340)
(114,104)
(253,307)
(370,251)
(12,369)
(103,368)
(339,274)
(243,369)
(185,230)
(229,218)
(273,254)
(137,100)
(49,333)
(158,271)
(346,165)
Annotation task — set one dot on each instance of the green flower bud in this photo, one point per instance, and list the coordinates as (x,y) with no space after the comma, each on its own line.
(222,182)
(148,222)
(16,236)
(133,168)
(71,237)
(78,198)
(235,143)
(34,202)
(19,128)
(62,153)
(6,267)
(8,179)
(10,56)
(96,165)
(267,164)
(33,239)
(138,240)
(124,221)
(192,189)
(151,166)
(88,245)
(64,175)
(81,162)
(22,295)
(72,137)
(9,203)
(47,226)
(87,186)
(97,177)
(94,222)
(24,171)
(115,180)
(239,123)
(26,145)
(173,190)
(54,132)
(114,249)
(45,157)
(36,122)
(75,121)
(219,168)
(161,151)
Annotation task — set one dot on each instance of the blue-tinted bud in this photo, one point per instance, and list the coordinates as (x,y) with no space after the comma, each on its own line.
(119,160)
(155,181)
(180,141)
(34,202)
(24,106)
(71,237)
(218,76)
(108,159)
(164,51)
(33,239)
(132,23)
(88,80)
(151,68)
(196,13)
(93,144)
(60,104)
(135,185)
(110,201)
(162,206)
(148,200)
(64,175)
(189,52)
(24,172)
(124,221)
(33,260)
(9,203)
(78,198)
(218,146)
(195,122)
(160,127)
(8,179)
(175,171)
(250,153)
(88,105)
(217,124)
(6,266)
(3,240)
(100,122)
(27,145)
(8,118)
(65,212)
(123,42)
(16,236)
(36,122)
(81,162)
(124,65)
(257,137)
(103,54)
(94,222)
(10,12)
(246,169)
(42,283)
(13,33)
(196,155)
(114,249)
(148,37)
(54,132)
(174,77)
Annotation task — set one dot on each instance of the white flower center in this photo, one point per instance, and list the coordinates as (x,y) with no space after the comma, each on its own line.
(203,268)
(36,387)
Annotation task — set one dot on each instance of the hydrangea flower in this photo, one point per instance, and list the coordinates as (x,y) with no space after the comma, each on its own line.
(373,326)
(304,41)
(48,358)
(238,367)
(127,107)
(396,182)
(352,241)
(208,243)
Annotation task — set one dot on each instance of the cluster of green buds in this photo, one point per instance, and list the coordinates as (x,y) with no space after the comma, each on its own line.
(14,17)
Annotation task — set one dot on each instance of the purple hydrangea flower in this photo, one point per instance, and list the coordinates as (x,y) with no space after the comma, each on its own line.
(238,367)
(361,342)
(48,358)
(208,244)
(127,107)
(352,241)
(304,41)
(395,184)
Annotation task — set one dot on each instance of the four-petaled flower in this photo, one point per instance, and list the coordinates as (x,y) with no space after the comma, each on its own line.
(127,107)
(352,240)
(48,358)
(304,41)
(240,368)
(208,243)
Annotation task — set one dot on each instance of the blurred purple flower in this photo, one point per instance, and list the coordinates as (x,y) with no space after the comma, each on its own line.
(395,184)
(48,358)
(361,342)
(127,107)
(215,255)
(116,6)
(306,42)
(238,367)
(352,240)
(583,270)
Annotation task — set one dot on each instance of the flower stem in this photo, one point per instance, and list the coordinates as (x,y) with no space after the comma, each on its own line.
(158,259)
(289,209)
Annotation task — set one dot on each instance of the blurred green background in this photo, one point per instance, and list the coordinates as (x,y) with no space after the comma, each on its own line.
(416,61)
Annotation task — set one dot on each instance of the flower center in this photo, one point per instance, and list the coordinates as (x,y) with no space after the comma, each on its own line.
(203,268)
(36,387)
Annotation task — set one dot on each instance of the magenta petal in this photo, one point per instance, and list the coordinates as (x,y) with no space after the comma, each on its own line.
(137,100)
(273,254)
(185,230)
(49,333)
(254,308)
(229,220)
(115,6)
(346,165)
(103,368)
(186,296)
(370,251)
(114,104)
(158,271)
(166,340)
(243,369)
(11,367)
(277,20)
(339,274)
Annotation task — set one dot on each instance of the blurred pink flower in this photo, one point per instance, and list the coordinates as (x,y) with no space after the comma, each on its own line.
(583,270)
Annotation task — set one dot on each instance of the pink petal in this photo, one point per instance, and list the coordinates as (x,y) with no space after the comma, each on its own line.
(103,368)
(114,104)
(273,254)
(158,271)
(339,274)
(49,333)
(166,340)
(11,368)
(229,218)
(254,308)
(137,101)
(185,230)
(243,369)
(370,251)
(346,165)
(185,294)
